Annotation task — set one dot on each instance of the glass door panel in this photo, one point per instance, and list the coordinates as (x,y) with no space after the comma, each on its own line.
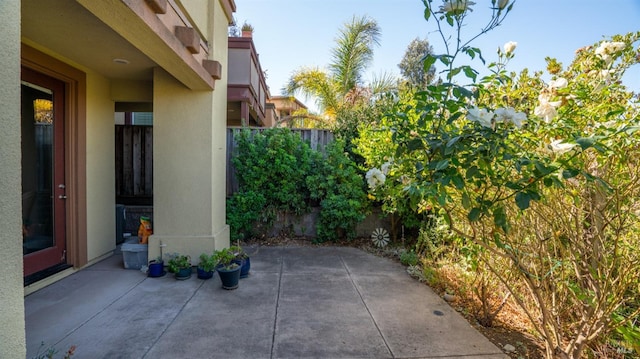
(43,195)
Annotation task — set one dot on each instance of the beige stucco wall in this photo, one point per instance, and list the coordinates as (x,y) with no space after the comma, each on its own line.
(12,335)
(101,223)
(190,158)
(219,118)
(198,11)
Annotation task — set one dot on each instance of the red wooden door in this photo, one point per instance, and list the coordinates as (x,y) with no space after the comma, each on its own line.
(43,172)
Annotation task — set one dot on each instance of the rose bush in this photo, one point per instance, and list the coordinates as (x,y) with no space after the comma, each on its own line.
(542,175)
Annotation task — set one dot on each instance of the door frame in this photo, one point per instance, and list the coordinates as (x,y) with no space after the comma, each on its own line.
(75,146)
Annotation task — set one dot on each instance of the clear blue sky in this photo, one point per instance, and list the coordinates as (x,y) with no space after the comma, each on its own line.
(290,34)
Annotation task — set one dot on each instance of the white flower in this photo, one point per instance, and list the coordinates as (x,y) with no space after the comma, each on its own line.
(456,6)
(546,109)
(558,83)
(481,116)
(608,48)
(502,4)
(605,75)
(509,47)
(558,147)
(375,178)
(385,168)
(509,114)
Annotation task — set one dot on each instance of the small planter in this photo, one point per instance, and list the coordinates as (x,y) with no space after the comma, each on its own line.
(156,269)
(180,266)
(230,278)
(203,274)
(245,266)
(183,273)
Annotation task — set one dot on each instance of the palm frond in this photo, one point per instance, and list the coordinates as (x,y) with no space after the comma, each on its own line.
(384,82)
(353,52)
(314,83)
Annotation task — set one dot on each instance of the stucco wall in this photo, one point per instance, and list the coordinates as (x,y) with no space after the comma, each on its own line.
(198,11)
(189,149)
(12,335)
(219,120)
(101,225)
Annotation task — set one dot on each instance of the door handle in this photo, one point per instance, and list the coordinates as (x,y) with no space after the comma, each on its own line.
(62,196)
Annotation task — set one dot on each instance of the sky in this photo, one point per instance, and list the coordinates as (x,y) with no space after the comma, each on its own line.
(292,34)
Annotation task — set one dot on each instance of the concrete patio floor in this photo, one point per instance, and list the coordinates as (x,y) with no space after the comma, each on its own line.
(298,302)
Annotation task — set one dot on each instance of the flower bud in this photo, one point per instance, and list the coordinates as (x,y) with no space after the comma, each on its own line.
(502,4)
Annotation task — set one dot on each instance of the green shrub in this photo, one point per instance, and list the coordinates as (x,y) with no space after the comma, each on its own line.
(340,190)
(277,171)
(408,258)
(243,210)
(274,163)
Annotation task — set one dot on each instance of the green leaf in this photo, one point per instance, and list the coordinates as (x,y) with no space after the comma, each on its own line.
(453,141)
(474,214)
(471,172)
(523,200)
(427,13)
(428,61)
(500,218)
(466,201)
(439,165)
(457,181)
(570,173)
(415,144)
(586,142)
(470,72)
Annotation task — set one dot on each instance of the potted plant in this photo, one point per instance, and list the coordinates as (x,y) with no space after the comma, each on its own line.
(207,266)
(242,258)
(228,270)
(180,265)
(247,30)
(156,268)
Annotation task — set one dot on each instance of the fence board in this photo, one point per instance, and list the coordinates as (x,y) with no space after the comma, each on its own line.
(134,162)
(134,157)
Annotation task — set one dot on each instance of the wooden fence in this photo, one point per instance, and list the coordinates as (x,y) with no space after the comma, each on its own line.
(134,159)
(318,139)
(134,164)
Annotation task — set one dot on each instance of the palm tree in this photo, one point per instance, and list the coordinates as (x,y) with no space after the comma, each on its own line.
(343,85)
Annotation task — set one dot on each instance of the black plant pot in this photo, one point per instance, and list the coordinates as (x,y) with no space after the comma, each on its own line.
(229,277)
(203,274)
(156,269)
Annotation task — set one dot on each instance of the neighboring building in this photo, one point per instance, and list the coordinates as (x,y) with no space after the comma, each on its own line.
(248,99)
(247,91)
(284,108)
(67,67)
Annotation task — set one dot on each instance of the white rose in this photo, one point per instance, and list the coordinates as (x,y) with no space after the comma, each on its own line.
(509,114)
(558,147)
(546,109)
(608,48)
(456,6)
(375,178)
(385,168)
(559,83)
(481,116)
(509,47)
